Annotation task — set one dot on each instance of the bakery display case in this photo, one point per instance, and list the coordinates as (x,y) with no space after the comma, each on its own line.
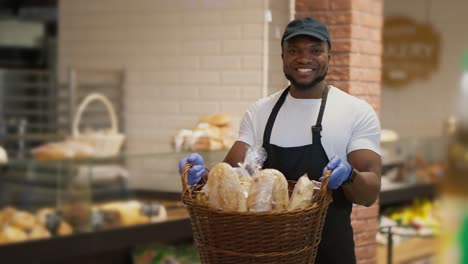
(93,205)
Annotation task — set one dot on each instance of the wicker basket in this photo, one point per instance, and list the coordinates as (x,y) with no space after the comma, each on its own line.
(248,237)
(106,143)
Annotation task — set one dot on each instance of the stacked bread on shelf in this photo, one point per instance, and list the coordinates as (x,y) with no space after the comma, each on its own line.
(232,189)
(126,213)
(212,132)
(20,225)
(60,150)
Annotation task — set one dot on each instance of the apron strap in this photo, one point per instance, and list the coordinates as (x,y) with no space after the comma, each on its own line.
(318,126)
(272,118)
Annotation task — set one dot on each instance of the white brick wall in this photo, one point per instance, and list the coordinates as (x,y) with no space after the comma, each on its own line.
(183,58)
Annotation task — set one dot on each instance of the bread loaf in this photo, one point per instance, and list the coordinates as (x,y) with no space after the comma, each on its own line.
(280,197)
(302,193)
(12,234)
(39,232)
(219,119)
(225,190)
(268,191)
(23,220)
(260,192)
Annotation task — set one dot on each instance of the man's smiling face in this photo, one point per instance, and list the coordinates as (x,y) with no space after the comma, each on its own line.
(305,61)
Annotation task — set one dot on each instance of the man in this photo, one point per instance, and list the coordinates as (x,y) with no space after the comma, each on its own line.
(310,127)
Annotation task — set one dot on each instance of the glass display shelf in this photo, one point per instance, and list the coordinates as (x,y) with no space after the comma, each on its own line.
(42,200)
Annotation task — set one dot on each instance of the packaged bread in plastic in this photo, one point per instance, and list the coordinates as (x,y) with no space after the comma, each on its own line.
(268,191)
(224,189)
(302,194)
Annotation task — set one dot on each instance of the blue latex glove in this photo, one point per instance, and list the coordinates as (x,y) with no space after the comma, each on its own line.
(198,169)
(341,171)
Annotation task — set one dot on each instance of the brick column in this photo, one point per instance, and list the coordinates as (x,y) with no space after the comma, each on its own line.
(355,67)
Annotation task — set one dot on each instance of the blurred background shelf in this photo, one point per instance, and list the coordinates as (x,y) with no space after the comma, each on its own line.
(399,192)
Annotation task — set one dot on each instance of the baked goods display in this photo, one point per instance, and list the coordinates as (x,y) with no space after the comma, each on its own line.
(20,225)
(230,189)
(126,213)
(68,149)
(212,132)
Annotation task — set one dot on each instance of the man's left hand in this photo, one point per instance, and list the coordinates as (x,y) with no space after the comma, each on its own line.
(341,171)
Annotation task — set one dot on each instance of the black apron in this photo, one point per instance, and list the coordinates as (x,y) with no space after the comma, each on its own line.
(337,244)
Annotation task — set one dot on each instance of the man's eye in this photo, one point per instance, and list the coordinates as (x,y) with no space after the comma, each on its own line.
(292,51)
(317,51)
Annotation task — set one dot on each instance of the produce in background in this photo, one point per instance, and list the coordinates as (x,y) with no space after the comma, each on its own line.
(165,254)
(421,218)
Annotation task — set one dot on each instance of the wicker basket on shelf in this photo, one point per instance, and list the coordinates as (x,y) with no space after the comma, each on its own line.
(106,143)
(256,237)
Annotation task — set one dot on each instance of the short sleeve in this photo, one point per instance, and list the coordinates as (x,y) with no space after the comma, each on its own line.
(246,129)
(366,131)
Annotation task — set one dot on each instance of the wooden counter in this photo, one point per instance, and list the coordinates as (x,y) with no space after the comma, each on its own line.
(408,251)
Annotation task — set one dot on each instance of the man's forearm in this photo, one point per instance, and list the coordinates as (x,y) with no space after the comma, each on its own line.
(364,190)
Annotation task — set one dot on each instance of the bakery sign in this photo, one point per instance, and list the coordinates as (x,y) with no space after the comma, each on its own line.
(410,51)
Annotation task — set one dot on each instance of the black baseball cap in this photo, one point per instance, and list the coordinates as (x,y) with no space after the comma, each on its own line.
(308,26)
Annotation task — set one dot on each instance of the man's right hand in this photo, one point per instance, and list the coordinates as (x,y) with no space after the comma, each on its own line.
(198,169)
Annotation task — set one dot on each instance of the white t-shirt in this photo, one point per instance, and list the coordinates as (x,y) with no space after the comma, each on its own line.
(348,123)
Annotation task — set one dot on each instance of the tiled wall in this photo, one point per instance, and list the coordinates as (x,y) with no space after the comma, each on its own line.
(183,59)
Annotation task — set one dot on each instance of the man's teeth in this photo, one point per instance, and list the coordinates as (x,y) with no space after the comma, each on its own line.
(304,70)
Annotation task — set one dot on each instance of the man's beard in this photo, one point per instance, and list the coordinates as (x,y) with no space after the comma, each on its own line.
(309,85)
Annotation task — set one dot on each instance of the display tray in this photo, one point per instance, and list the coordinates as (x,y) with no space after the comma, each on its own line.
(116,242)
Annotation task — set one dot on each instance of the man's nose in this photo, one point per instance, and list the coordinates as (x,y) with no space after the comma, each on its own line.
(304,57)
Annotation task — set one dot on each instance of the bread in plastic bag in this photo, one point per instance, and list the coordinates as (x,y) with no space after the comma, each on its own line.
(302,194)
(268,191)
(224,189)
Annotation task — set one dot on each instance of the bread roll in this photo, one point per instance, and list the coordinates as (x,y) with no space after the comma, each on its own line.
(224,189)
(6,214)
(12,234)
(130,212)
(219,119)
(302,193)
(67,149)
(268,191)
(23,220)
(39,232)
(280,199)
(64,229)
